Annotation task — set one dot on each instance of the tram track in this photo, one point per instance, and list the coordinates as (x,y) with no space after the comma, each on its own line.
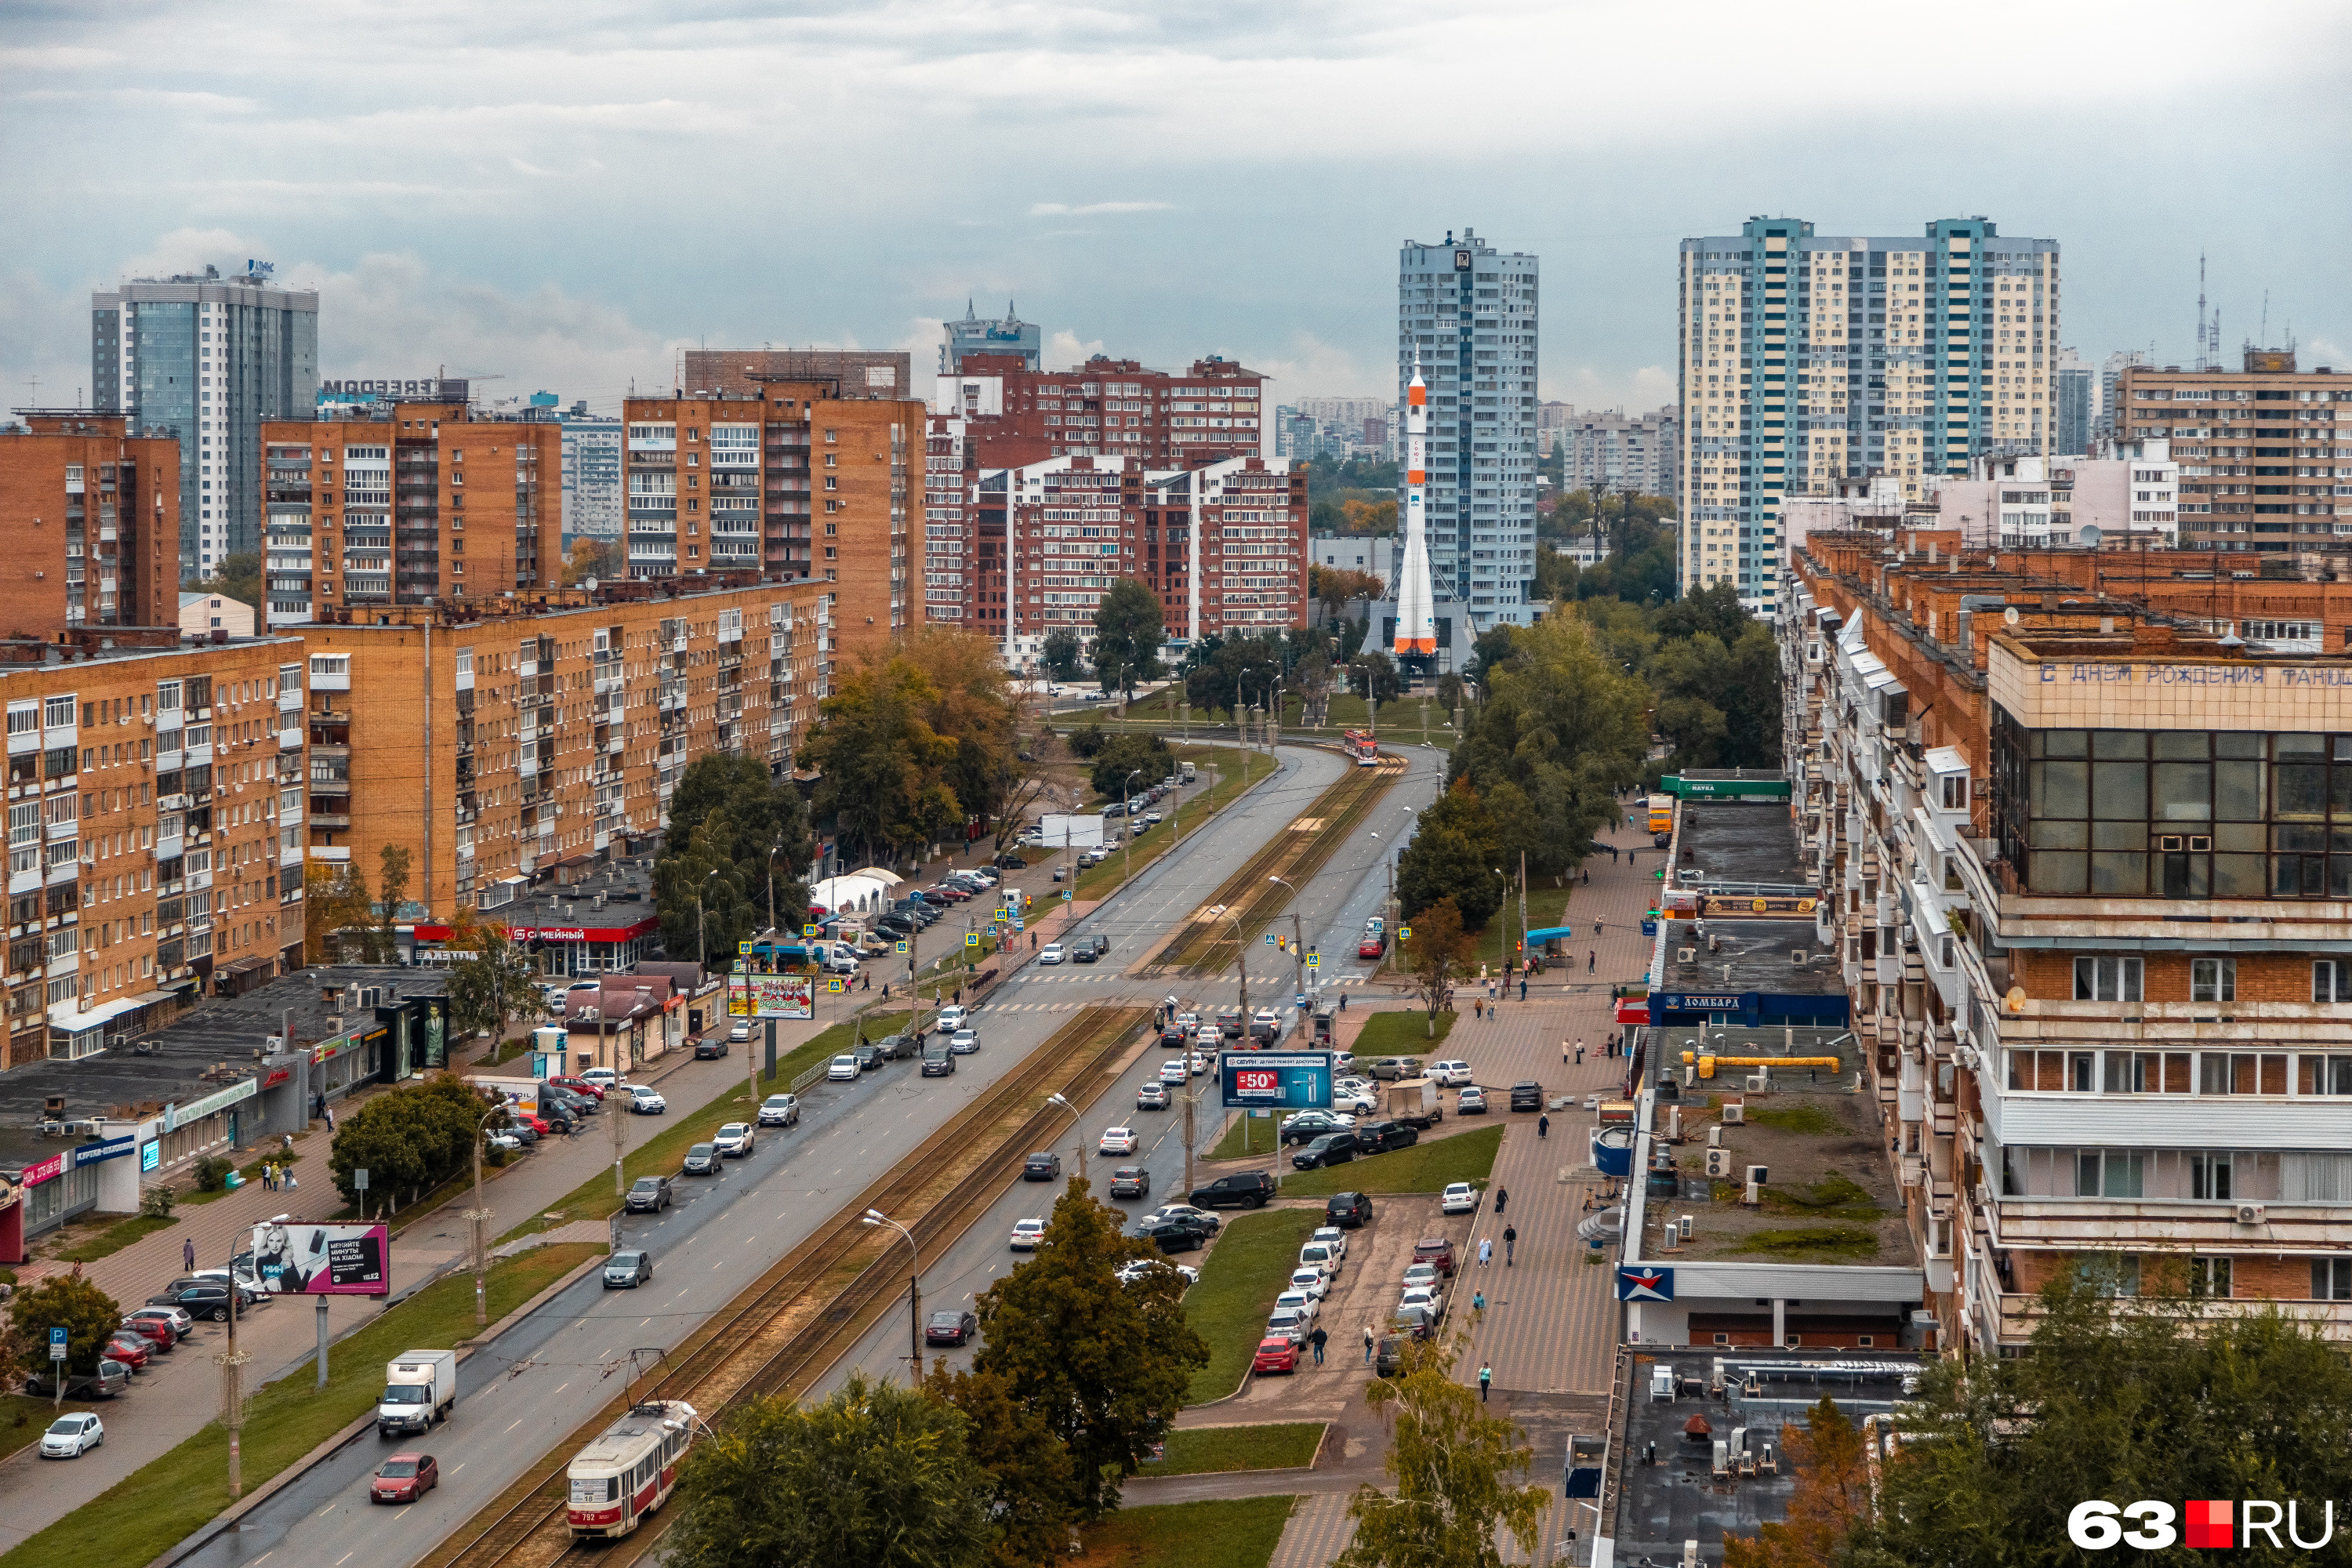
(781,1335)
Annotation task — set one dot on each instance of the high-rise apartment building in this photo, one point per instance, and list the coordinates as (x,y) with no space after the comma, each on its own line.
(2111,376)
(1621,453)
(406,503)
(1809,358)
(2078,403)
(206,359)
(843,374)
(495,738)
(1225,547)
(91,513)
(1468,319)
(791,482)
(1106,409)
(1007,335)
(2265,453)
(592,476)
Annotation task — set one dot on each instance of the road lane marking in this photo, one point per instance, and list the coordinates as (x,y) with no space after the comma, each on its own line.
(560,1387)
(326,1511)
(516,1423)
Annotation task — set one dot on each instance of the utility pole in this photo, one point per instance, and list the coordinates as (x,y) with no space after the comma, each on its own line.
(1127,827)
(480,1218)
(613,1105)
(231,1361)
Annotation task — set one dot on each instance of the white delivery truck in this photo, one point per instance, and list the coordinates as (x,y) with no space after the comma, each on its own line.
(420,1387)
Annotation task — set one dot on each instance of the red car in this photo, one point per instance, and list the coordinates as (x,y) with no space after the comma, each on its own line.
(1372,946)
(132,1349)
(404,1477)
(526,1118)
(580,1086)
(1275,1353)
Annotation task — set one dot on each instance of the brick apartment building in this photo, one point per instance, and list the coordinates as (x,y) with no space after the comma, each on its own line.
(92,539)
(2079,841)
(2265,453)
(407,503)
(790,481)
(154,829)
(500,739)
(848,375)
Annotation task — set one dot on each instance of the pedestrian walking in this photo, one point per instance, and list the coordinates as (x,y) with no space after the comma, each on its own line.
(188,1255)
(1477,1006)
(1510,1243)
(1564,1049)
(1502,1196)
(1543,1127)
(1579,1053)
(1591,958)
(288,1181)
(1631,856)
(1523,987)
(1485,1251)
(269,1177)
(1478,1302)
(1368,1344)
(1485,1379)
(331,1119)
(1316,1338)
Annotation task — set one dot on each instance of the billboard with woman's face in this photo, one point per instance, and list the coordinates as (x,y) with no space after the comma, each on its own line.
(292,1258)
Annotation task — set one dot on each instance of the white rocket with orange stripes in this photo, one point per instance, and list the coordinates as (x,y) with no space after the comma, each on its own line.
(1416,625)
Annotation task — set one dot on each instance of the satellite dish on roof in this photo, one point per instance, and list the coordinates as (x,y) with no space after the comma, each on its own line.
(2009,615)
(2088,535)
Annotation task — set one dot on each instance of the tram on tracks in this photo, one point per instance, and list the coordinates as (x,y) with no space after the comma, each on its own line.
(628,1470)
(1361,745)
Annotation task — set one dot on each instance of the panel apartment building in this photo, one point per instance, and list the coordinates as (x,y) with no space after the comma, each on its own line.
(154,829)
(2087,896)
(497,739)
(791,482)
(92,539)
(407,503)
(2265,453)
(1805,359)
(207,359)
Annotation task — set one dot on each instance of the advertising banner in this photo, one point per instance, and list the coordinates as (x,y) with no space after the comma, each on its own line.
(771,995)
(1284,1080)
(296,1260)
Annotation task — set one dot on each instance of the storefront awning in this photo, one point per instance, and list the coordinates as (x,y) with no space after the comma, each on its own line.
(63,1016)
(243,964)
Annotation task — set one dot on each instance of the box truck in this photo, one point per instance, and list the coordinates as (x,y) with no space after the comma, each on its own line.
(420,1387)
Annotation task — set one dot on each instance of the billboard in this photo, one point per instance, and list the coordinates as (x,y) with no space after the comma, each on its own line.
(296,1260)
(1275,1080)
(771,995)
(1071,832)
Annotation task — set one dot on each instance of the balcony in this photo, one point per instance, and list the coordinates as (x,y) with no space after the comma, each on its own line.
(2021,1314)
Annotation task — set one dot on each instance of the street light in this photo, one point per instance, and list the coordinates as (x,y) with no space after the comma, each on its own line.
(1298,942)
(1127,827)
(1058,1100)
(914,1288)
(480,1216)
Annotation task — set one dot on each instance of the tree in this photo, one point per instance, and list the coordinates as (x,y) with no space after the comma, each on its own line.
(1060,654)
(882,764)
(1125,753)
(1336,585)
(592,557)
(335,905)
(391,894)
(701,896)
(1457,855)
(1128,634)
(1105,1364)
(1435,953)
(1833,1493)
(1381,671)
(1450,1469)
(88,1314)
(876,1476)
(768,843)
(234,577)
(972,703)
(411,1139)
(493,986)
(1493,647)
(1031,1494)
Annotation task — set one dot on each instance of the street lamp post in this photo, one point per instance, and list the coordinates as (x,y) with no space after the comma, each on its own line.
(1127,827)
(481,1218)
(1297,942)
(914,1288)
(1074,1127)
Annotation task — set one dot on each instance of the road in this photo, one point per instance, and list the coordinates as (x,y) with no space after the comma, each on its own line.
(537,1382)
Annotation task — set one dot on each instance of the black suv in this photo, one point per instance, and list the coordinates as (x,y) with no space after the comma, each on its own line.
(650,1194)
(198,1300)
(1308,1125)
(1526,1096)
(1252,1189)
(1042,1167)
(1332,1149)
(1380,1137)
(1349,1211)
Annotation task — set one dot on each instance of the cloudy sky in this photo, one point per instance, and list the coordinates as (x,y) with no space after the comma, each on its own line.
(566,195)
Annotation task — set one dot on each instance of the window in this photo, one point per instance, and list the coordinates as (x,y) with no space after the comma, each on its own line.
(1956,792)
(2107,979)
(2209,1177)
(2331,1278)
(2212,980)
(58,713)
(2331,980)
(2210,1277)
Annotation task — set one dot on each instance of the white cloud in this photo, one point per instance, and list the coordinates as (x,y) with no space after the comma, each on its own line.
(1059,209)
(1063,349)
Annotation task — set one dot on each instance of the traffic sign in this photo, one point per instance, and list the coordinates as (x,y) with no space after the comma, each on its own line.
(1270,939)
(833,986)
(1405,933)
(57,1344)
(902,947)
(1314,961)
(1066,895)
(808,931)
(971,938)
(359,1178)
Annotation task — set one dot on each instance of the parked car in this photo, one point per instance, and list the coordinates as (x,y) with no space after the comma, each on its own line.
(649,1195)
(1042,1166)
(581,1086)
(1308,1125)
(1151,1097)
(1291,1321)
(603,1078)
(780,1110)
(1420,1272)
(1275,1352)
(404,1477)
(1349,1211)
(1395,1068)
(208,1301)
(1321,1256)
(1351,1098)
(842,1069)
(110,1378)
(1526,1096)
(1171,1236)
(1413,1322)
(1128,1273)
(735,1139)
(1437,1249)
(1248,1189)
(1027,1233)
(71,1436)
(1372,946)
(1389,1356)
(1459,1197)
(950,1327)
(645,1102)
(1331,1236)
(709,1047)
(1011,861)
(1199,1219)
(1117,1141)
(702,1160)
(1452,1074)
(627,1270)
(1380,1137)
(1471,1101)
(1298,1300)
(174,1318)
(1130,1182)
(868,1056)
(1426,1296)
(1311,1278)
(1332,1149)
(132,1348)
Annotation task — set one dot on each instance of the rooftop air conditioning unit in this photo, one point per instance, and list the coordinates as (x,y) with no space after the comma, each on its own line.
(1686,955)
(1734,1112)
(1797,955)
(2250,1213)
(1718,1164)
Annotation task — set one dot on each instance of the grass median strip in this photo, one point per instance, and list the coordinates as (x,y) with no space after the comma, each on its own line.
(166,1499)
(1246,1270)
(1236,770)
(1229,1532)
(1426,1167)
(1278,1446)
(1401,1032)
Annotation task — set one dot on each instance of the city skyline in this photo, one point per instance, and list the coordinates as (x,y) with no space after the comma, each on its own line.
(1088,207)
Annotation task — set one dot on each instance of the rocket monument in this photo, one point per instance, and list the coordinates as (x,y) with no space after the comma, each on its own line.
(1416,625)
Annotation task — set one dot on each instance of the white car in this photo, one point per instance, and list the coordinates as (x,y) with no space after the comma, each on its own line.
(1311,1280)
(1451,1075)
(1429,1297)
(951,1019)
(1296,1300)
(734,1140)
(963,1043)
(1316,1255)
(1421,1274)
(1052,955)
(1025,1234)
(1118,1141)
(1172,1070)
(1332,1237)
(1288,1323)
(780,1110)
(1200,1063)
(70,1437)
(1189,1022)
(645,1102)
(1334,1119)
(1459,1198)
(603,1078)
(1362,1097)
(1342,1060)
(1130,1272)
(842,1069)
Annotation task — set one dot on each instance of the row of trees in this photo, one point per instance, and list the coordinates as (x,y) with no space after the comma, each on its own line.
(734,860)
(1129,634)
(411,1138)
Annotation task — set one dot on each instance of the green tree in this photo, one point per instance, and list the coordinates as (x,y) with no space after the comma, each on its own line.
(1381,670)
(1124,754)
(1060,654)
(876,1476)
(1128,635)
(410,1138)
(1438,950)
(882,764)
(1451,1472)
(768,843)
(234,577)
(391,897)
(1457,855)
(1105,1364)
(702,899)
(497,984)
(88,1314)
(1031,1495)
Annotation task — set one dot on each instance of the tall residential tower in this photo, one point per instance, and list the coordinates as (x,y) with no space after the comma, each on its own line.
(1469,311)
(206,359)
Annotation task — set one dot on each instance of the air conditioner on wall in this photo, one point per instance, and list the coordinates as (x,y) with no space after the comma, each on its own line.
(2250,1213)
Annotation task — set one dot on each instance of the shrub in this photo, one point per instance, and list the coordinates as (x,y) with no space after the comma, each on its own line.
(157,1202)
(210,1173)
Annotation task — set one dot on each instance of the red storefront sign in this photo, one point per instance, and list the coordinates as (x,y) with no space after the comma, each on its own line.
(48,1170)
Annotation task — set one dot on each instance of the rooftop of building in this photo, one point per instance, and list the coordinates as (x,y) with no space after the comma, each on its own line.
(1734,956)
(222,1041)
(1742,841)
(584,891)
(1661,1506)
(88,644)
(2152,644)
(562,601)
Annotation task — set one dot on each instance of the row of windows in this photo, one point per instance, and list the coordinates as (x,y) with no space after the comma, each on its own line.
(2119,979)
(2178,1072)
(2178,1175)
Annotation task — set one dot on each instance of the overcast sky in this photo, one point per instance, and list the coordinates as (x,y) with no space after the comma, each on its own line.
(566,194)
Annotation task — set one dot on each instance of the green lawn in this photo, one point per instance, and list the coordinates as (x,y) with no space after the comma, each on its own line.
(159,1504)
(1195,1450)
(1426,1167)
(23,1418)
(1235,1532)
(1247,1270)
(1260,1134)
(113,1238)
(1401,1033)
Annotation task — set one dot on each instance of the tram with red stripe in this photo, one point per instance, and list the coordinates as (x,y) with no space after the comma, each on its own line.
(1362,746)
(628,1470)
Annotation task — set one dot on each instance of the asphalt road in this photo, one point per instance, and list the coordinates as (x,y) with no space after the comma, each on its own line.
(530,1389)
